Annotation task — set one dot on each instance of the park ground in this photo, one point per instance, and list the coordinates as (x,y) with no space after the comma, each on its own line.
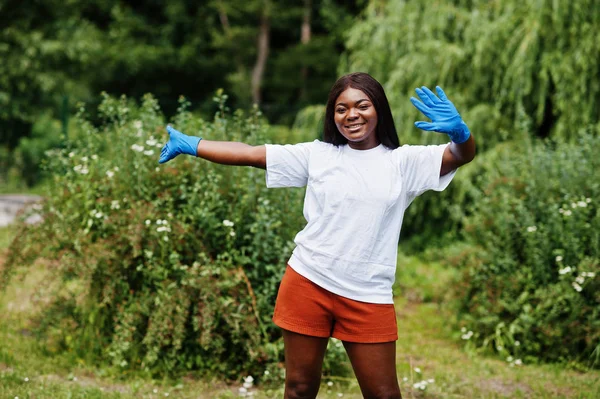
(427,350)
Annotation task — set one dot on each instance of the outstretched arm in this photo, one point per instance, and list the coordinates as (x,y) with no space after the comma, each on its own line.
(456,155)
(446,119)
(233,153)
(223,152)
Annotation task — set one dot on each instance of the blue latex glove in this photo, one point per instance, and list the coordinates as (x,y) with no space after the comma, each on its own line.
(178,143)
(443,114)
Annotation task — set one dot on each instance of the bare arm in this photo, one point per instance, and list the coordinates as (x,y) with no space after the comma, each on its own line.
(232,153)
(457,155)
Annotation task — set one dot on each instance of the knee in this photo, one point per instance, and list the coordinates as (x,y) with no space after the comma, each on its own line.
(298,389)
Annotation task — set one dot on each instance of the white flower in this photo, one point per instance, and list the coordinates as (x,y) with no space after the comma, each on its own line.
(340,394)
(329,383)
(580,279)
(463,329)
(531,229)
(81,169)
(232,233)
(405,379)
(243,391)
(573,205)
(561,210)
(499,347)
(165,238)
(588,274)
(170,214)
(155,390)
(166,393)
(431,380)
(137,147)
(148,222)
(99,215)
(26,379)
(565,270)
(163,228)
(110,173)
(115,204)
(517,343)
(71,154)
(151,142)
(247,385)
(468,335)
(509,359)
(149,152)
(228,223)
(137,124)
(577,287)
(518,362)
(567,213)
(249,379)
(588,200)
(581,204)
(267,372)
(559,258)
(94,157)
(84,159)
(417,370)
(116,168)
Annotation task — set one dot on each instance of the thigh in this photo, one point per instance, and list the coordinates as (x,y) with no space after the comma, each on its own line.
(303,363)
(374,365)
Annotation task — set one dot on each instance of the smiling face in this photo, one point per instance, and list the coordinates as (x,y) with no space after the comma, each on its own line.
(356,119)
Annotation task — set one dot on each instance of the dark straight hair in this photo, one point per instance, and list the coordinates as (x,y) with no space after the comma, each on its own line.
(386,130)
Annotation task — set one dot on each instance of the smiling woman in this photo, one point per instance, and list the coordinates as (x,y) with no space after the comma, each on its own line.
(338,281)
(356,119)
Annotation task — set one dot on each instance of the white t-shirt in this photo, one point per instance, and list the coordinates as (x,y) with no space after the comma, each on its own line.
(354,206)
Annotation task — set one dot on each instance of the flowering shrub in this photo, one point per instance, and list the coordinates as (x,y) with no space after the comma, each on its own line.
(162,268)
(530,286)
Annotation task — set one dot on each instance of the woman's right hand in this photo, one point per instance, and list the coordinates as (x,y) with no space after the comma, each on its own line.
(178,143)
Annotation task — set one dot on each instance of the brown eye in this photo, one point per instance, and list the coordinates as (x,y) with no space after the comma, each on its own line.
(340,110)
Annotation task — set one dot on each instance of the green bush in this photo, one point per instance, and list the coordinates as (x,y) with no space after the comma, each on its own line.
(162,268)
(530,284)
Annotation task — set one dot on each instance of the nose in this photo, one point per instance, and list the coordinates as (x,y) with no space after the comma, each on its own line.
(352,114)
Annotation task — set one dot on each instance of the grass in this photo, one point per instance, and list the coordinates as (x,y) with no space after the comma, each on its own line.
(426,343)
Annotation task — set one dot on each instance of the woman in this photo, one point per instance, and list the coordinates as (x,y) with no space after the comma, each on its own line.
(338,282)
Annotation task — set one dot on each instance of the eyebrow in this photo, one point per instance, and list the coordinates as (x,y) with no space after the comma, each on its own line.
(358,102)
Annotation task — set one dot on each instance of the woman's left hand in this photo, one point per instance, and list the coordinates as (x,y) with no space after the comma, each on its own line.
(443,114)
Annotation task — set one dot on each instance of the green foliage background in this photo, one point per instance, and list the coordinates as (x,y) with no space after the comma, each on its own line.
(162,268)
(176,267)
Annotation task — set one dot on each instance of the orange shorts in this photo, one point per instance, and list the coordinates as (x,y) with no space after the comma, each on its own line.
(305,308)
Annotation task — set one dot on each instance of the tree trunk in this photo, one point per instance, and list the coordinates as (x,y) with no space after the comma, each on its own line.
(261,58)
(304,39)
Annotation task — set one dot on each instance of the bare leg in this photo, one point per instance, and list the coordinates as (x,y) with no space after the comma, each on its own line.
(375,369)
(303,363)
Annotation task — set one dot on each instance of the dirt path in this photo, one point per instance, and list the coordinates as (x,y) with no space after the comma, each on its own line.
(12,204)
